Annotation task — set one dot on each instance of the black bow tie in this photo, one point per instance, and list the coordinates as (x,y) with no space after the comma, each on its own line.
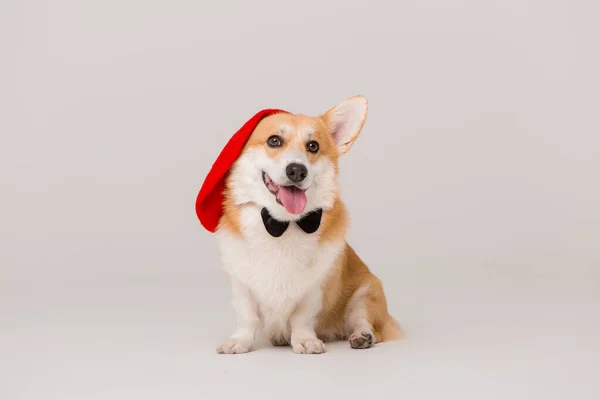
(309,223)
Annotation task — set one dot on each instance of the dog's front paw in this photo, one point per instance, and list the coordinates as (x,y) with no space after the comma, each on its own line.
(309,346)
(235,346)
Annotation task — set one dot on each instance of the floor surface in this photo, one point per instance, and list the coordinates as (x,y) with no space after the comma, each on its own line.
(469,336)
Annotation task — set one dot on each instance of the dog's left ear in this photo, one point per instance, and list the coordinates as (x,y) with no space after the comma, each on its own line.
(345,121)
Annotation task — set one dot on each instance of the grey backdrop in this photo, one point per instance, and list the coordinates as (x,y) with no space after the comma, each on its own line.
(474,192)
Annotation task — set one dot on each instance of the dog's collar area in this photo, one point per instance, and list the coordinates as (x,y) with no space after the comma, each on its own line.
(309,223)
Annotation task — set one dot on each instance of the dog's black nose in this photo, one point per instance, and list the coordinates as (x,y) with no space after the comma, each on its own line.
(296,172)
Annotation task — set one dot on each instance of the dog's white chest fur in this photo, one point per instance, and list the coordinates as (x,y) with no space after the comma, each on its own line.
(279,272)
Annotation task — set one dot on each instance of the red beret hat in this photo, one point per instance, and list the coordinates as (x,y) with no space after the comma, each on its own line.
(209,203)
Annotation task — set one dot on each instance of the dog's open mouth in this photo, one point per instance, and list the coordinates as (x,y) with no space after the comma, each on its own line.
(292,198)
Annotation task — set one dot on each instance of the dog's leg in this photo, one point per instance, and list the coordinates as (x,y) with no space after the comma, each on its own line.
(367,321)
(302,323)
(357,325)
(248,321)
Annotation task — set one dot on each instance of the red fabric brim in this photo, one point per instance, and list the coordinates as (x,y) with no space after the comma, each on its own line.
(209,203)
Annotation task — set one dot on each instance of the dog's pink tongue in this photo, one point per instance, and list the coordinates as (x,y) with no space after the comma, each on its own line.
(293,199)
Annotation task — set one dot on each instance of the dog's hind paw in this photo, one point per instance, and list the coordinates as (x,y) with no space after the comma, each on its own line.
(361,340)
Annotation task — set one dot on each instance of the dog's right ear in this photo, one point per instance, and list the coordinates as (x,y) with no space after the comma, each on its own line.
(345,121)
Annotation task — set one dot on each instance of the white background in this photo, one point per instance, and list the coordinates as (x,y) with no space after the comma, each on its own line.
(474,192)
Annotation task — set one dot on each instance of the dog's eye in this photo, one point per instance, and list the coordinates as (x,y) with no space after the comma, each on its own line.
(274,141)
(312,146)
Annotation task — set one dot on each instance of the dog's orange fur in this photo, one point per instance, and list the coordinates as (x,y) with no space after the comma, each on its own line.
(349,273)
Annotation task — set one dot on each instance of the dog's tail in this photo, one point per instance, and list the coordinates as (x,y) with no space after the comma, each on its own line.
(391,330)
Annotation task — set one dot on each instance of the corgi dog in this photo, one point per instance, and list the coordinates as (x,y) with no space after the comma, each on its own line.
(281,239)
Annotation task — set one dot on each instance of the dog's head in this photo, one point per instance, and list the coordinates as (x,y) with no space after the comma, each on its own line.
(290,162)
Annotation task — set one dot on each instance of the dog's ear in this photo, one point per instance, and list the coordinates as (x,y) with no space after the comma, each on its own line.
(345,121)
